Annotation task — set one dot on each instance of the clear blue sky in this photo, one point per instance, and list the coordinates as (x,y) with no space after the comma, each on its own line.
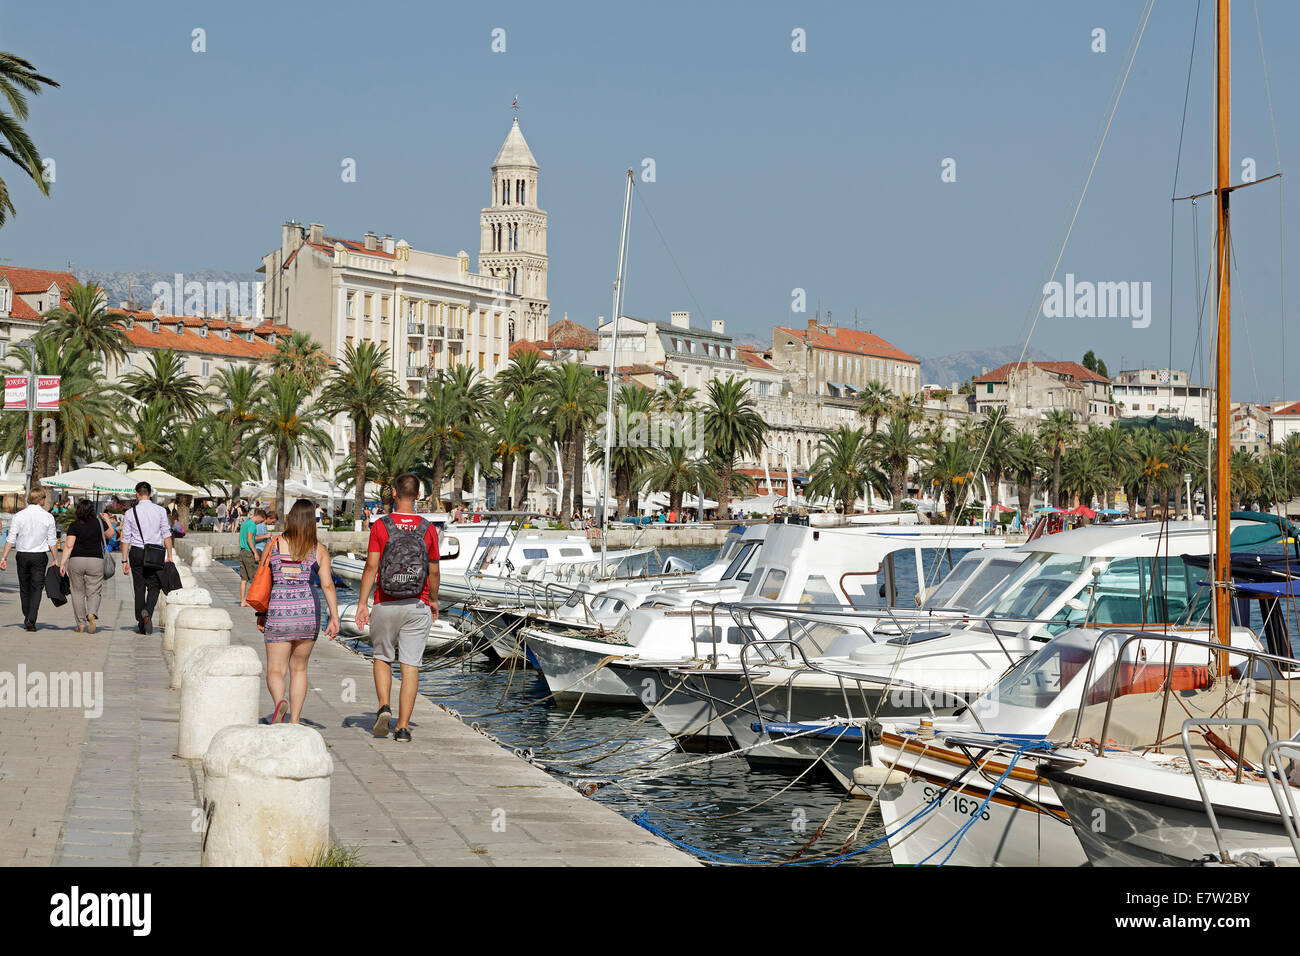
(775,170)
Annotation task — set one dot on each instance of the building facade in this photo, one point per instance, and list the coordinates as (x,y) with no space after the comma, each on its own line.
(1252,427)
(825,360)
(1144,392)
(1029,390)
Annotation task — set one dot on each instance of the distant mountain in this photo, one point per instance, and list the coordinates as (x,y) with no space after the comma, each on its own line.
(138,286)
(959,366)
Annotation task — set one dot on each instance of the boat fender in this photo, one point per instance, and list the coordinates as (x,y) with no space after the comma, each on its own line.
(875,777)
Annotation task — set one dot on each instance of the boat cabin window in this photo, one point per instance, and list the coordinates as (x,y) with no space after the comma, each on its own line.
(818,638)
(817,590)
(965,588)
(574,599)
(772,584)
(1037,680)
(1044,578)
(1137,591)
(717,634)
(535,553)
(570,552)
(742,565)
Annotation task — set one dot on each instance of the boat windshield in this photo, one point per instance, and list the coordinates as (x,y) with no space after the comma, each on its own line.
(972,579)
(1044,577)
(1038,679)
(742,565)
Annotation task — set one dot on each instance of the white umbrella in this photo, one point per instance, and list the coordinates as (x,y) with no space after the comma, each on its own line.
(9,486)
(762,504)
(83,479)
(690,501)
(152,472)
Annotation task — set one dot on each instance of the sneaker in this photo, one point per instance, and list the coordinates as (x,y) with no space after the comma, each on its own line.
(381,721)
(90,623)
(403,735)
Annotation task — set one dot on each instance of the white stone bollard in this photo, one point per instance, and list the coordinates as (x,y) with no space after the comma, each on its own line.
(220,687)
(266,796)
(178,601)
(196,627)
(201,557)
(188,580)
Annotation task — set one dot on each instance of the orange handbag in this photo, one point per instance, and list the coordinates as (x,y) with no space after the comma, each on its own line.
(259,591)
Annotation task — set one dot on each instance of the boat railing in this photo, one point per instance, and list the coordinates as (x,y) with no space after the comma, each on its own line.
(1273,774)
(890,683)
(1274,664)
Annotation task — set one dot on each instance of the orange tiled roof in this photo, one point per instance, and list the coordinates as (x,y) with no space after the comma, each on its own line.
(167,338)
(625,371)
(27,281)
(568,334)
(848,340)
(1071,369)
(1292,409)
(749,355)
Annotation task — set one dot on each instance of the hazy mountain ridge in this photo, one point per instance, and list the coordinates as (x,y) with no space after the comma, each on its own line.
(124,285)
(960,366)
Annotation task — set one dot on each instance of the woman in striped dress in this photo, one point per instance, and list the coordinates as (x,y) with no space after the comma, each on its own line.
(293,612)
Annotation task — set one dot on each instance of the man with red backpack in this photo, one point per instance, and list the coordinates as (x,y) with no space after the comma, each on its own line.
(402,569)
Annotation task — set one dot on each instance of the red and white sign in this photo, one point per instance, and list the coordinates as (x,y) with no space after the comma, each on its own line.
(47,392)
(15,392)
(31,440)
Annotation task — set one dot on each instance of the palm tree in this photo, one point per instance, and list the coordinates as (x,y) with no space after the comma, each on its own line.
(1025,468)
(17,75)
(467,395)
(733,429)
(515,429)
(238,391)
(948,472)
(894,447)
(673,470)
(435,433)
(842,469)
(1112,449)
(301,355)
(286,419)
(1152,463)
(575,396)
(193,454)
(1056,431)
(148,436)
(676,398)
(630,451)
(538,440)
(393,452)
(524,371)
(165,379)
(83,322)
(996,442)
(877,400)
(364,389)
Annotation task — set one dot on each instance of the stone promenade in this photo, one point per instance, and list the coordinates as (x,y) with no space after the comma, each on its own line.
(84,789)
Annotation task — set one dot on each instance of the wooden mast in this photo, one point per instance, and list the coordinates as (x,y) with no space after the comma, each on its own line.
(1222,486)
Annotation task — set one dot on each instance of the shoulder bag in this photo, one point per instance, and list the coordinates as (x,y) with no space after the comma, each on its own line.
(154,554)
(259,591)
(110,566)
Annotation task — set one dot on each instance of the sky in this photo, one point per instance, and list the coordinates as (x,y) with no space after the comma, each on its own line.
(775,170)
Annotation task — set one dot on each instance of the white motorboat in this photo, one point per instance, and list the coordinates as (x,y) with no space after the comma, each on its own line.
(834,568)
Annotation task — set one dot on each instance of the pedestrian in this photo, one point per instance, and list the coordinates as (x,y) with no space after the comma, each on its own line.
(83,563)
(178,529)
(223,512)
(33,535)
(148,541)
(248,552)
(293,611)
(402,569)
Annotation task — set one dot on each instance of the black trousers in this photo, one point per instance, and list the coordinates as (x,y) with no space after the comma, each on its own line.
(31,582)
(146,584)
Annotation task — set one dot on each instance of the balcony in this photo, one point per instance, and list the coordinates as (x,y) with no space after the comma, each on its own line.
(417,371)
(456,334)
(414,328)
(438,331)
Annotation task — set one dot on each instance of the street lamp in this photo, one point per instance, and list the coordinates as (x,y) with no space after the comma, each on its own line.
(31,405)
(1187,479)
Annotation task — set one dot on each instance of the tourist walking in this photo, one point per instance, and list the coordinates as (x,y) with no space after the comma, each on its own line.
(293,611)
(250,546)
(148,543)
(223,512)
(83,563)
(33,535)
(402,569)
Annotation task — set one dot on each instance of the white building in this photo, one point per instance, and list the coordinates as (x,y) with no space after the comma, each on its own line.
(1144,392)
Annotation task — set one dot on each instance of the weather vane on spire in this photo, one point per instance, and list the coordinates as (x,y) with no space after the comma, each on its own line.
(515,106)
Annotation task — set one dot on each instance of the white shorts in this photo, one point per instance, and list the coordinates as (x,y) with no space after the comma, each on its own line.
(399,630)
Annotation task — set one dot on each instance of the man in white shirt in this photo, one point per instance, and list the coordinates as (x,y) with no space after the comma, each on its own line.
(144,523)
(33,535)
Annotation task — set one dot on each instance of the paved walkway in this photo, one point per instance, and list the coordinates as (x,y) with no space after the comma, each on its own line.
(107,790)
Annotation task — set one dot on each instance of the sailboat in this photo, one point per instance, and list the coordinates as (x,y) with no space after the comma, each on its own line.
(1128,747)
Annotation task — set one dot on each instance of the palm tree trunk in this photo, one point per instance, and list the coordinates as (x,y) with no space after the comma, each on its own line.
(896,479)
(1024,492)
(724,494)
(360,446)
(183,505)
(507,481)
(281,473)
(575,470)
(439,464)
(457,478)
(1056,477)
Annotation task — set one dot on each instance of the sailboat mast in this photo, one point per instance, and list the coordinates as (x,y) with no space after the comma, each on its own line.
(610,384)
(1222,486)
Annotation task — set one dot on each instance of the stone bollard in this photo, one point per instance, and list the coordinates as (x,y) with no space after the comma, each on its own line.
(201,557)
(266,796)
(177,602)
(196,627)
(188,580)
(220,687)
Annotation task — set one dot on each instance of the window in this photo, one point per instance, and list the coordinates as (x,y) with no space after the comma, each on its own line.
(772,584)
(534,553)
(570,552)
(6,299)
(205,368)
(817,590)
(988,389)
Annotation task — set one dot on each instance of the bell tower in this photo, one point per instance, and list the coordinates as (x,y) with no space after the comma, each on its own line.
(513,234)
